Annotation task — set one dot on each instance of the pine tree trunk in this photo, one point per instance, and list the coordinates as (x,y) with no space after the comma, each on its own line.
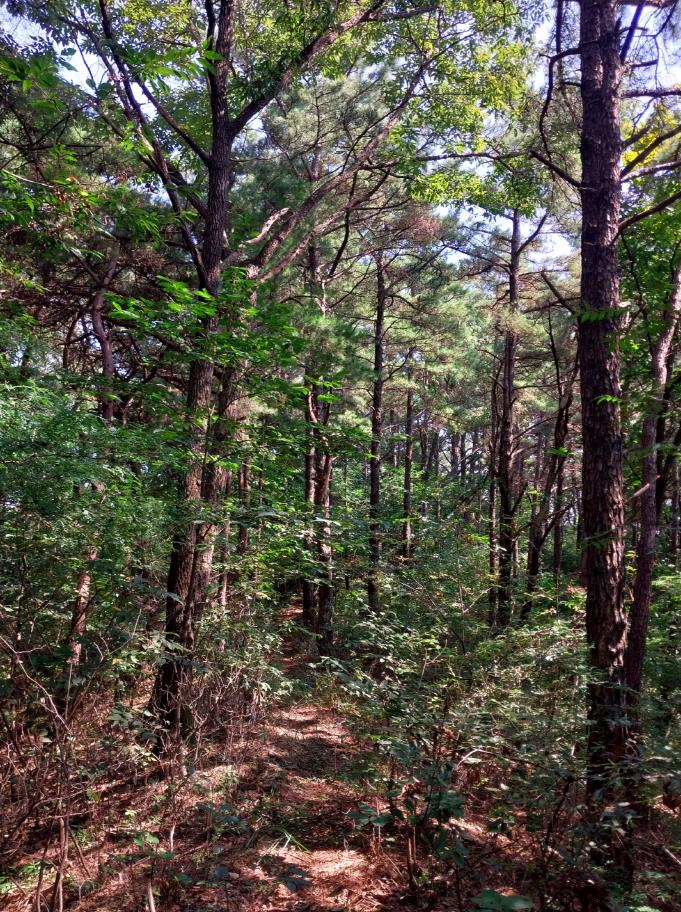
(507,459)
(309,589)
(541,522)
(599,325)
(645,553)
(675,518)
(325,589)
(407,530)
(376,435)
(454,459)
(175,674)
(493,546)
(558,530)
(392,455)
(244,482)
(106,400)
(79,615)
(475,455)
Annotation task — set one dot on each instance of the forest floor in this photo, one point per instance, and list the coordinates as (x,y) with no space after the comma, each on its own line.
(262,820)
(262,823)
(299,777)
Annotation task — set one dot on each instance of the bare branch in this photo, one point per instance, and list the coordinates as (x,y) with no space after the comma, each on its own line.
(560,172)
(639,216)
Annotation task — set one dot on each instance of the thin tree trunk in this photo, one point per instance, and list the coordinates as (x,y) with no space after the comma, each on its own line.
(475,454)
(507,459)
(79,615)
(373,592)
(423,443)
(433,461)
(454,459)
(391,456)
(558,530)
(244,481)
(674,523)
(80,609)
(542,522)
(407,530)
(326,593)
(309,589)
(645,552)
(106,400)
(492,532)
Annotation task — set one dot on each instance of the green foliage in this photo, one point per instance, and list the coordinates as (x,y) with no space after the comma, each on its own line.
(110,471)
(491,901)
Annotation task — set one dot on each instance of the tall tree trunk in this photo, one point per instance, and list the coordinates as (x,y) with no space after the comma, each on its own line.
(645,552)
(106,400)
(493,593)
(326,592)
(475,454)
(392,454)
(407,529)
(80,608)
(309,589)
(423,442)
(433,460)
(542,522)
(227,572)
(318,416)
(244,481)
(599,324)
(454,459)
(81,602)
(175,674)
(507,458)
(675,517)
(376,434)
(190,571)
(558,530)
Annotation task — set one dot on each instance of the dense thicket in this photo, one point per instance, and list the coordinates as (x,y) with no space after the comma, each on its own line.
(350,329)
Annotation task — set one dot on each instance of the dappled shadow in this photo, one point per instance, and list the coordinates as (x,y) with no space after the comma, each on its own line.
(265,824)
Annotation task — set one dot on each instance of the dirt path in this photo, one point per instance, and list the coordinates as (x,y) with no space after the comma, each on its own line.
(307,855)
(299,780)
(262,823)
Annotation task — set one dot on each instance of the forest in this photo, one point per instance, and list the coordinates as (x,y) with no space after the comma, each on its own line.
(340,443)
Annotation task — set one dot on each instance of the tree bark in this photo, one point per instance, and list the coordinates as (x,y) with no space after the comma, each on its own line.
(674,520)
(645,553)
(106,400)
(309,589)
(392,455)
(79,615)
(326,592)
(175,674)
(454,459)
(542,522)
(80,607)
(558,531)
(373,592)
(493,593)
(599,325)
(407,529)
(507,456)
